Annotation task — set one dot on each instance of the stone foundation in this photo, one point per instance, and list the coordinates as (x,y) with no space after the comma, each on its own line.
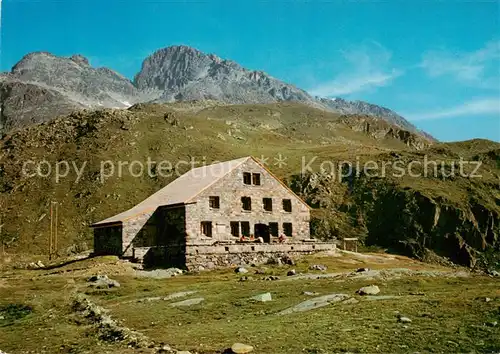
(203,256)
(222,256)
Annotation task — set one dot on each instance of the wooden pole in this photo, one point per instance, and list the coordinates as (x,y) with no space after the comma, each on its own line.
(1,231)
(55,233)
(1,227)
(51,230)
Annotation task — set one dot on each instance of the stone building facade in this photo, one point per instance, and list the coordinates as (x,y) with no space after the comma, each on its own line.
(212,216)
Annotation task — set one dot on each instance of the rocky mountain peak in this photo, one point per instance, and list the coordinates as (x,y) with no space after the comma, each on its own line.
(175,73)
(184,73)
(80,60)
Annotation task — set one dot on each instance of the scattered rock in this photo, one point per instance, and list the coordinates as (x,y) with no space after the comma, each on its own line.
(350,301)
(274,260)
(271,277)
(360,270)
(403,319)
(188,302)
(310,293)
(260,271)
(426,314)
(288,260)
(493,273)
(102,282)
(241,270)
(291,272)
(492,324)
(159,273)
(320,267)
(487,299)
(246,278)
(417,293)
(262,297)
(368,290)
(164,348)
(37,265)
(315,303)
(240,348)
(108,328)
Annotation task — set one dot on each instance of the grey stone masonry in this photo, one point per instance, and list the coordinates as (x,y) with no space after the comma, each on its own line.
(221,256)
(131,229)
(230,189)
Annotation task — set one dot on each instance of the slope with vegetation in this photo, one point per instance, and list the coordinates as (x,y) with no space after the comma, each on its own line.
(455,217)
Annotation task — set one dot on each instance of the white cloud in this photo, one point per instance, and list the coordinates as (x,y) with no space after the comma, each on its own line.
(345,85)
(480,68)
(472,108)
(369,68)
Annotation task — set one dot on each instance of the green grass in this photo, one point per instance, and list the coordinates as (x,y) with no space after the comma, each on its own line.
(448,314)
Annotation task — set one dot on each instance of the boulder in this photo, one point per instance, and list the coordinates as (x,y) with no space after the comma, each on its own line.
(262,297)
(240,348)
(403,319)
(102,282)
(291,272)
(315,303)
(310,293)
(246,278)
(368,290)
(241,270)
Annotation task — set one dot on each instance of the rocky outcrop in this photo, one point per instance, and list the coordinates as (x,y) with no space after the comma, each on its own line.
(382,129)
(76,79)
(43,86)
(350,108)
(454,217)
(23,104)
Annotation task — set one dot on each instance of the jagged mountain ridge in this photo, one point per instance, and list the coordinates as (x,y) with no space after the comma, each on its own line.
(176,73)
(184,73)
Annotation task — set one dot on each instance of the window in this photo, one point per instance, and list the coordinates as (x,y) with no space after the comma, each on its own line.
(251,178)
(246,203)
(287,228)
(235,228)
(206,228)
(268,204)
(247,178)
(273,229)
(287,205)
(245,228)
(214,202)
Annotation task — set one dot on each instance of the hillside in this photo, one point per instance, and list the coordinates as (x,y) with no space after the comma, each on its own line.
(42,86)
(455,217)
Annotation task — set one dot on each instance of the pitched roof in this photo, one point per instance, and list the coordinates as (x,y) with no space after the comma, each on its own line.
(180,191)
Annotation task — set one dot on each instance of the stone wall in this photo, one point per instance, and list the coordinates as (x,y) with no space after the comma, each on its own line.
(131,229)
(230,188)
(201,256)
(108,240)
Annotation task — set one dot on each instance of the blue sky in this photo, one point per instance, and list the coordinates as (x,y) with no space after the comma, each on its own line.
(435,63)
